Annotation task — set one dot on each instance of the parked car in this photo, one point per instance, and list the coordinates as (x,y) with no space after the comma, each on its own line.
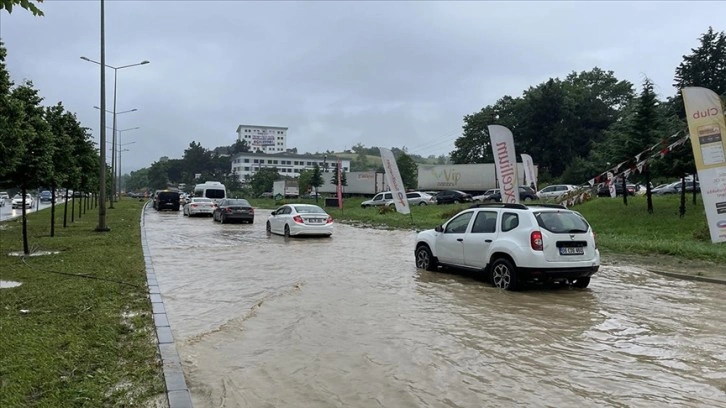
(384,198)
(513,244)
(300,219)
(603,190)
(689,187)
(453,197)
(669,188)
(166,200)
(485,196)
(17,201)
(234,209)
(525,194)
(554,191)
(419,198)
(199,206)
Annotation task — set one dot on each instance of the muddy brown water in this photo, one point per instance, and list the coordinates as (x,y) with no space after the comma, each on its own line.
(349,321)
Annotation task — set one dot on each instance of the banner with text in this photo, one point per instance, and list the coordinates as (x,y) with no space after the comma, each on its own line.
(393,178)
(707,127)
(505,161)
(528,165)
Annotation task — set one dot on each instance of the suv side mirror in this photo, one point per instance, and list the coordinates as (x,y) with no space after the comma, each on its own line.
(439,228)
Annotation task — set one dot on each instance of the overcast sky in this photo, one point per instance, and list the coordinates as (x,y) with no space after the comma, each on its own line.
(389,74)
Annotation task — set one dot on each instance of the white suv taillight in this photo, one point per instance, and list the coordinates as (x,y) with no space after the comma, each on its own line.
(535,240)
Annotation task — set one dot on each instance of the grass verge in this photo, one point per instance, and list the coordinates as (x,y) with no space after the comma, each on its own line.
(620,229)
(69,340)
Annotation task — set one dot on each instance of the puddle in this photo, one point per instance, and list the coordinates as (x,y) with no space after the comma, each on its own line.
(36,253)
(9,284)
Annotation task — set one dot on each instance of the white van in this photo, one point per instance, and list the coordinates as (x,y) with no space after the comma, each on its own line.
(211,189)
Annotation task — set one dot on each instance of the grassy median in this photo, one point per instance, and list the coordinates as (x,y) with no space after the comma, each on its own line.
(79,330)
(620,229)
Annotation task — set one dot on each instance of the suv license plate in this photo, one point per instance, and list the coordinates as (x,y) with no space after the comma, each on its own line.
(572,251)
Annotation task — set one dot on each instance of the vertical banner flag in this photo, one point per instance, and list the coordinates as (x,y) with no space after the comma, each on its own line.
(505,162)
(707,127)
(529,171)
(611,185)
(393,178)
(339,189)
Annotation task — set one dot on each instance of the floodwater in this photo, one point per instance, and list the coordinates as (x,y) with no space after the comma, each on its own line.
(349,321)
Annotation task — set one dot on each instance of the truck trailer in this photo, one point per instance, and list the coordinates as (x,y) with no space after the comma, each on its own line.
(359,183)
(464,177)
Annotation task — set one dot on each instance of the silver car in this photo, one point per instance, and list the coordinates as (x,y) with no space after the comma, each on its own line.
(419,198)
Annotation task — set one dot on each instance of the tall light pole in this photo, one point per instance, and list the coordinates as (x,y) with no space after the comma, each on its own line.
(103,125)
(102,227)
(113,156)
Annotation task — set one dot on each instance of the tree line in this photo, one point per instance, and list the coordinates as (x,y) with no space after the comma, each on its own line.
(42,145)
(577,126)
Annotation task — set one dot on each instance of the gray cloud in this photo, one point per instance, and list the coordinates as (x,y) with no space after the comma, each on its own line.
(336,73)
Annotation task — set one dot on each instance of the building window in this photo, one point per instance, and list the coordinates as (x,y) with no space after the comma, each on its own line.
(247,160)
(247,169)
(255,161)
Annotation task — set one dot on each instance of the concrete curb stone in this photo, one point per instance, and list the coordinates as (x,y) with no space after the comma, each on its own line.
(177,392)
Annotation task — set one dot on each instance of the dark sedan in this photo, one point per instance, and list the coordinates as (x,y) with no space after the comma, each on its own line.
(234,209)
(453,196)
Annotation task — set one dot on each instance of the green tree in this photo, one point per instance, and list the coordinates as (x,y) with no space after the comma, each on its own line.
(138,180)
(646,128)
(303,181)
(61,125)
(239,146)
(408,169)
(12,117)
(35,165)
(704,67)
(343,178)
(26,4)
(316,179)
(263,180)
(159,175)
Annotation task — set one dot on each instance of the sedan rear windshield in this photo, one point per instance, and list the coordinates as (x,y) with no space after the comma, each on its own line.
(238,202)
(309,209)
(561,222)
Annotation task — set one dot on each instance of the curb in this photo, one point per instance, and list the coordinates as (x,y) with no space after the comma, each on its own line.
(690,277)
(177,392)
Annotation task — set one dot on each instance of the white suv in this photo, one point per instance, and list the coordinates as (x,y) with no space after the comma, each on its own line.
(513,244)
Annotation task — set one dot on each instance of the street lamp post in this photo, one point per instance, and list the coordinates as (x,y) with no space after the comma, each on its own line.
(103,125)
(120,145)
(113,152)
(102,227)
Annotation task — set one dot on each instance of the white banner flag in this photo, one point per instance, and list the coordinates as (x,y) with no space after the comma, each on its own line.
(505,161)
(611,185)
(393,178)
(529,171)
(707,127)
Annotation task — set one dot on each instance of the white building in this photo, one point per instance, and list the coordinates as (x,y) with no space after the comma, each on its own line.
(267,139)
(288,164)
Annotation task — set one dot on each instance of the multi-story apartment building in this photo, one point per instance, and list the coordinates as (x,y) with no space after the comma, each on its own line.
(288,164)
(267,139)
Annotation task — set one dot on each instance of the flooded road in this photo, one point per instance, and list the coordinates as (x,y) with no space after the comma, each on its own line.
(349,321)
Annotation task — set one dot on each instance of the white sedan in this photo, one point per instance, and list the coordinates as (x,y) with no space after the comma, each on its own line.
(300,219)
(18,201)
(199,206)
